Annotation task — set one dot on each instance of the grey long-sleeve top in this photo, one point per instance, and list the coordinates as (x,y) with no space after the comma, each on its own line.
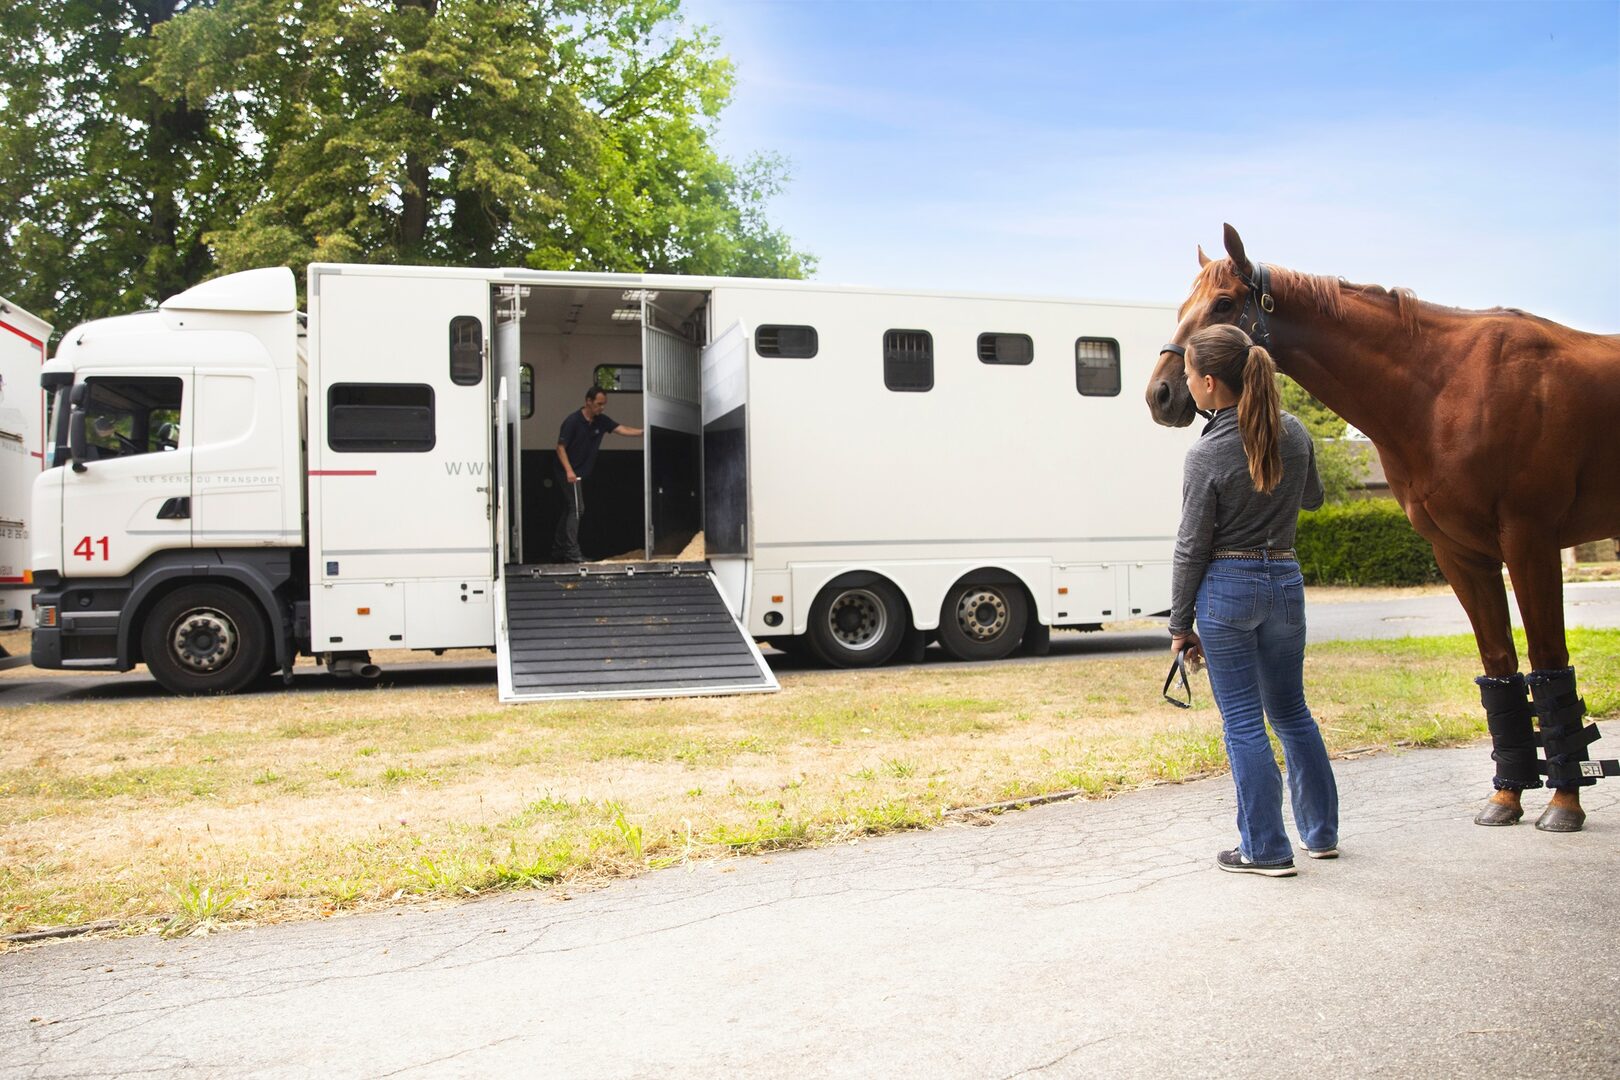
(1220,508)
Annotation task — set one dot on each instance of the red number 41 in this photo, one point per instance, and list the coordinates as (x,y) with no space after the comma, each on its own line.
(86,548)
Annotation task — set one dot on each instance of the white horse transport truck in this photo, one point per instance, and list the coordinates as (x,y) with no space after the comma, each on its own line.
(22,423)
(232,484)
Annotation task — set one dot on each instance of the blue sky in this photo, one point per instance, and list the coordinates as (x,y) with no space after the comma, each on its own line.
(1468,151)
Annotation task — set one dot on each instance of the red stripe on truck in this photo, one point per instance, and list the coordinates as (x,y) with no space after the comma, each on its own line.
(30,338)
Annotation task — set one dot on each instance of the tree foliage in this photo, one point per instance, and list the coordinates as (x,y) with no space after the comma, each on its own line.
(1340,463)
(153,143)
(106,187)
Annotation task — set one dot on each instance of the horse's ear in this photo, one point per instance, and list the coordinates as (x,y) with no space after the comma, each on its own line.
(1203,260)
(1234,248)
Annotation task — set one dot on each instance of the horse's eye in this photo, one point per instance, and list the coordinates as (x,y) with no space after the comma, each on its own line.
(1223,305)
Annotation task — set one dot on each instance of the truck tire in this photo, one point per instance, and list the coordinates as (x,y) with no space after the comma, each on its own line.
(205,639)
(854,626)
(982,621)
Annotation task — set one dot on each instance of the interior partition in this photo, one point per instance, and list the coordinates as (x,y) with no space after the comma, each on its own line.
(672,403)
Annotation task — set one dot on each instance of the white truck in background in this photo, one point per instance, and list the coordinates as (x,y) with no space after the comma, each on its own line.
(233,484)
(23,339)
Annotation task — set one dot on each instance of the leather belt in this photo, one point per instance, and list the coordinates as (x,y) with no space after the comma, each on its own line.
(1257,554)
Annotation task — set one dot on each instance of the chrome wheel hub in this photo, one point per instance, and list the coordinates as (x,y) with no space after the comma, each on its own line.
(203,640)
(982,613)
(857,619)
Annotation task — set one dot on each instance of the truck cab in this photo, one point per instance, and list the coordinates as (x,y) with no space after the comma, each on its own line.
(170,515)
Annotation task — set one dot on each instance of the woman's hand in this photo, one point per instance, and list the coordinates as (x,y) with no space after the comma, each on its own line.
(1195,649)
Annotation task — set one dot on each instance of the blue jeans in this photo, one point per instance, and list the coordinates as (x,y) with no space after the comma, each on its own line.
(1251,621)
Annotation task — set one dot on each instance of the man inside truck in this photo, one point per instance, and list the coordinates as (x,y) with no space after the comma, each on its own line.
(577,443)
(106,441)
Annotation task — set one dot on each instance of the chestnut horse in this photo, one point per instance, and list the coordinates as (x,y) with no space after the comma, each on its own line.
(1496,430)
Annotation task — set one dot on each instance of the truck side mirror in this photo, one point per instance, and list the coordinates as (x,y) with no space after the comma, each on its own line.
(78,449)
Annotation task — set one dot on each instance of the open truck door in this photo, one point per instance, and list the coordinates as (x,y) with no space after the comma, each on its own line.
(726,518)
(639,629)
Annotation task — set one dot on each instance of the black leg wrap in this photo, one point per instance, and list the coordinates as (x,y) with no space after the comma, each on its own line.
(1513,735)
(1559,710)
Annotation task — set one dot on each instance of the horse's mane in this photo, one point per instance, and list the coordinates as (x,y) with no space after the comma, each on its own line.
(1326,294)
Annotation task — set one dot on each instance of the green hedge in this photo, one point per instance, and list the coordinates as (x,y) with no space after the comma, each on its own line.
(1367,542)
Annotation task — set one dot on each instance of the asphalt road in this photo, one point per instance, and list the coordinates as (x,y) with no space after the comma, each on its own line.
(1072,940)
(1594,605)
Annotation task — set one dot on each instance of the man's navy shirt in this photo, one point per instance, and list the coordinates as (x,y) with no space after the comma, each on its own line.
(582,438)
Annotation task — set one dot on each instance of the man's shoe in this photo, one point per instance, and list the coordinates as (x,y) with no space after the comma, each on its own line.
(1234,862)
(1322,853)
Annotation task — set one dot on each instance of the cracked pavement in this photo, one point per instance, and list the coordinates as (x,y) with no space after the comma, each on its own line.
(1069,940)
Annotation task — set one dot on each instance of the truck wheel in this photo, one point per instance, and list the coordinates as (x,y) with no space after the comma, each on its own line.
(982,621)
(205,639)
(857,625)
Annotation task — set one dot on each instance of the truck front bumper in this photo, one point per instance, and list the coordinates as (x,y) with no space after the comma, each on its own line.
(76,625)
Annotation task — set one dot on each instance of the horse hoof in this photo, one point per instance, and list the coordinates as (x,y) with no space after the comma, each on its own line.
(1559,819)
(1495,813)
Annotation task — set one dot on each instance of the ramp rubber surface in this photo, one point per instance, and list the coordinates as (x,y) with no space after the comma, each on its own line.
(625,633)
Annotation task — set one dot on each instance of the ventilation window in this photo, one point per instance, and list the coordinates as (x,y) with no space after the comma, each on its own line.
(908,360)
(526,390)
(1006,349)
(381,418)
(1096,367)
(787,342)
(618,378)
(466,351)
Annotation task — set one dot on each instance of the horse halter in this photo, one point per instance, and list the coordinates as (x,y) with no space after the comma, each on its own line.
(1259,298)
(1259,329)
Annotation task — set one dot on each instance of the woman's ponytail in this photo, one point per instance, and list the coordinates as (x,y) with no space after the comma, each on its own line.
(1226,353)
(1260,419)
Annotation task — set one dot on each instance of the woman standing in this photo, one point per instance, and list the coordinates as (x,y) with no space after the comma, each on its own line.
(1244,484)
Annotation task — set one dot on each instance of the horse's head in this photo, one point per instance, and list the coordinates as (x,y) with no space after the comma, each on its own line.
(1223,292)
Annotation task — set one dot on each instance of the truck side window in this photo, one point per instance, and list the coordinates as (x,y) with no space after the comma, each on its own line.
(618,378)
(1006,349)
(466,350)
(1096,367)
(131,415)
(788,342)
(56,450)
(908,360)
(386,418)
(526,390)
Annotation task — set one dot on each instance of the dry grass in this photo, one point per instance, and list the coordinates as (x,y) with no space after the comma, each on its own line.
(281,806)
(1596,571)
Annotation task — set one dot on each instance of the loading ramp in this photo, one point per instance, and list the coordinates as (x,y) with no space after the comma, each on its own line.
(647,629)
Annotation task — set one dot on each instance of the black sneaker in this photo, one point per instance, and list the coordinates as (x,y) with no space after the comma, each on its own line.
(1234,862)
(1322,853)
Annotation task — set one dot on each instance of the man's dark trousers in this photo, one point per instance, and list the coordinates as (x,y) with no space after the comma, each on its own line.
(565,545)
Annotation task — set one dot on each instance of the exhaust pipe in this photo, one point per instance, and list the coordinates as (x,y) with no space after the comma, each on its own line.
(352,666)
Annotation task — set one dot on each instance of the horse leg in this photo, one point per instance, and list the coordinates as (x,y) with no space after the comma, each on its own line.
(1477,581)
(1538,587)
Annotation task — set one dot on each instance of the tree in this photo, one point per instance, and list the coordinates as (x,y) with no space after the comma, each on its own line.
(567,134)
(1340,464)
(106,187)
(153,143)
